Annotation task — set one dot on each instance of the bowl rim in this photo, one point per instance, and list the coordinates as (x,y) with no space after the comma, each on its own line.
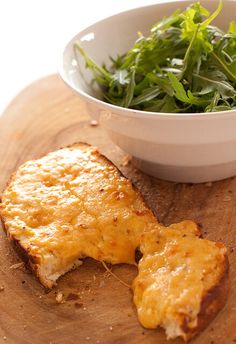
(129,111)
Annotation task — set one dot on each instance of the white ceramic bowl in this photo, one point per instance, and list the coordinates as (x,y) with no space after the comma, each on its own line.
(195,147)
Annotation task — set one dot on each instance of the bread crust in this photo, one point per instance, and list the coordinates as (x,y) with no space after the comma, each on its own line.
(32,261)
(211,304)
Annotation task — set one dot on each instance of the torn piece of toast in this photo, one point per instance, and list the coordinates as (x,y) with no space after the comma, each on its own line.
(182,281)
(74,203)
(70,204)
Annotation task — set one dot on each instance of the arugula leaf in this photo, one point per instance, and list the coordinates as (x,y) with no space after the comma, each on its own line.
(212,16)
(181,94)
(228,68)
(93,65)
(232,27)
(214,81)
(147,95)
(130,90)
(222,108)
(213,103)
(179,90)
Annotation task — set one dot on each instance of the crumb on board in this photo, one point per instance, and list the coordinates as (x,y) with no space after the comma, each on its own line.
(16,266)
(110,328)
(59,297)
(2,288)
(93,123)
(4,338)
(101,284)
(226,199)
(87,338)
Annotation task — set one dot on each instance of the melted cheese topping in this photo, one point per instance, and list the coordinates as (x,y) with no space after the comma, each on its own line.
(73,203)
(175,273)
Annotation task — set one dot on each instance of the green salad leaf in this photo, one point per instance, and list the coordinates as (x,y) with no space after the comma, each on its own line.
(185,65)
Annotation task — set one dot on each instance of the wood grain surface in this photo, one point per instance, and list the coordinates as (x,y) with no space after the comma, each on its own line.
(97,308)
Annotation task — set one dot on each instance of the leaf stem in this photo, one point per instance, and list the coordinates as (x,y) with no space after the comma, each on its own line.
(130,89)
(188,51)
(92,63)
(223,65)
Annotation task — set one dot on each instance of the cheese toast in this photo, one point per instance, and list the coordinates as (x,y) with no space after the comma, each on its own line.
(71,204)
(74,203)
(182,281)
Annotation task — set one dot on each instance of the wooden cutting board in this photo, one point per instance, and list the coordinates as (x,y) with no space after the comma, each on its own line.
(97,308)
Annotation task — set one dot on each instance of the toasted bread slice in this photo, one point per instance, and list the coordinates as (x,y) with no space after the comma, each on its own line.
(70,204)
(182,281)
(74,203)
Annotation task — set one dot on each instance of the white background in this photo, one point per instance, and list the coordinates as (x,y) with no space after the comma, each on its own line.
(33,33)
